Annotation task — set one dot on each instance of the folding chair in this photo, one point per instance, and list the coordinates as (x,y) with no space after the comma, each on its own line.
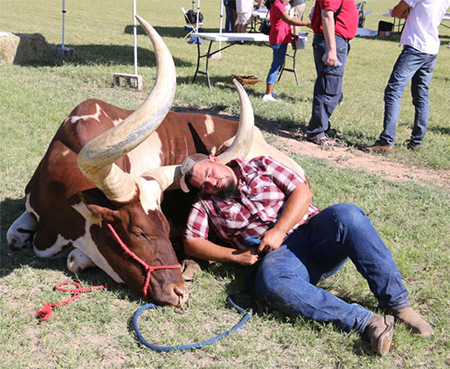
(189,23)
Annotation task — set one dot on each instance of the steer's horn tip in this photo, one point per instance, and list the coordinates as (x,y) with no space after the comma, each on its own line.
(141,20)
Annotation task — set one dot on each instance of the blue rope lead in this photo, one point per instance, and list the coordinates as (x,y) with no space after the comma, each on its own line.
(192,345)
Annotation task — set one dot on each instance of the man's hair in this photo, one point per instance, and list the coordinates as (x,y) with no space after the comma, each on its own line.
(187,179)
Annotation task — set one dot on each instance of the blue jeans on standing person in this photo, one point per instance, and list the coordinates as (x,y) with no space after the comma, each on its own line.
(227,17)
(418,67)
(286,277)
(328,86)
(279,56)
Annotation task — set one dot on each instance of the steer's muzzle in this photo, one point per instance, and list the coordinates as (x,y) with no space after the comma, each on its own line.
(172,294)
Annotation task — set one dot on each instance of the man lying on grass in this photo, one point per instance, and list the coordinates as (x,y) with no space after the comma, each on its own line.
(299,245)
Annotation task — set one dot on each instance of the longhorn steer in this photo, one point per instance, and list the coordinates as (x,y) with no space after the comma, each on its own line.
(117,151)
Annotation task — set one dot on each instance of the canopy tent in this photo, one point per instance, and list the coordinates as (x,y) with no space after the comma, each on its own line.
(66,51)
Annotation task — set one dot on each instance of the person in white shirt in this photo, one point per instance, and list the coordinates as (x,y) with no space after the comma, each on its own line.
(420,40)
(244,13)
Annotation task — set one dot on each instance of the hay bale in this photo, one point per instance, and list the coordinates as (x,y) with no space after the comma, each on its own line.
(22,48)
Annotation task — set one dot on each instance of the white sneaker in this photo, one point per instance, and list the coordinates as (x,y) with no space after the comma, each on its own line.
(269,98)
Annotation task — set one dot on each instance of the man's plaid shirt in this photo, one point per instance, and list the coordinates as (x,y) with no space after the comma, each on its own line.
(264,186)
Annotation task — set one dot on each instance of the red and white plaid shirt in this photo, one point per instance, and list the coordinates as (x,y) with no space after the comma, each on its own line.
(264,186)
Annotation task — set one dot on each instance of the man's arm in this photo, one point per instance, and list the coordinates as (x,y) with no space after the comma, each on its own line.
(329,34)
(295,209)
(401,10)
(207,250)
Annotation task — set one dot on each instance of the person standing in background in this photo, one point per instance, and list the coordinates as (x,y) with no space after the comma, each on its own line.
(244,10)
(297,11)
(231,6)
(280,36)
(420,40)
(334,23)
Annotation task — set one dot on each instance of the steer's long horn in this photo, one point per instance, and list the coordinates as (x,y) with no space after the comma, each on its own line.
(169,176)
(97,158)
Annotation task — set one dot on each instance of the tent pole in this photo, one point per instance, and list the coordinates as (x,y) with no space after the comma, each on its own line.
(135,37)
(219,54)
(128,77)
(63,12)
(198,13)
(64,51)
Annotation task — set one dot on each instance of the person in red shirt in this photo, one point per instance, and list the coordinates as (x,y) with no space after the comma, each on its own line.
(280,36)
(334,23)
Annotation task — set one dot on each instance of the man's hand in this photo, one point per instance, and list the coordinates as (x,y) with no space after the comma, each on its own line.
(271,240)
(401,10)
(246,257)
(331,58)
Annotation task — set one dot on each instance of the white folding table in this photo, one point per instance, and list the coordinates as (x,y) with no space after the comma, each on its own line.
(231,39)
(258,15)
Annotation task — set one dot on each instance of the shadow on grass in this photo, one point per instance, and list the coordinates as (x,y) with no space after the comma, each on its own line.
(180,31)
(108,55)
(439,129)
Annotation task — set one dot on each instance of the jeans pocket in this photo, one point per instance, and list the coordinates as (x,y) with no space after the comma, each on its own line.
(332,84)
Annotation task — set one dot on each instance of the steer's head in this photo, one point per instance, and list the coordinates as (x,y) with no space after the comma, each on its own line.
(133,239)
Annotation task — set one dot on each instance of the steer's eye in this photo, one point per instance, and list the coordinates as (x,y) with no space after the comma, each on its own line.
(138,232)
(141,233)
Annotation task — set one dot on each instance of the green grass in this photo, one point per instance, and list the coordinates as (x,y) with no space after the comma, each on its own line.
(96,331)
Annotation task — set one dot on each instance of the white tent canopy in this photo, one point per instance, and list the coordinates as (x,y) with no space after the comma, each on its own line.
(134,31)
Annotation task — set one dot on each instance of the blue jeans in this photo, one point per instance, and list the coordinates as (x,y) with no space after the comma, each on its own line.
(328,86)
(286,277)
(417,67)
(279,56)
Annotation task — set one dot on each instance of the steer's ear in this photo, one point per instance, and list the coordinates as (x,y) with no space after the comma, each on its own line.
(99,213)
(95,213)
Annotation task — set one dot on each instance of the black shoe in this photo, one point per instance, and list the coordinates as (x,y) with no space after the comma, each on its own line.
(333,133)
(414,147)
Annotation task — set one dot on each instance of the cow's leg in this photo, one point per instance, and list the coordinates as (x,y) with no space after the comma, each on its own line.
(21,232)
(77,261)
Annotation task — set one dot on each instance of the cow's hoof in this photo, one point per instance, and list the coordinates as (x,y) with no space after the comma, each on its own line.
(77,261)
(20,234)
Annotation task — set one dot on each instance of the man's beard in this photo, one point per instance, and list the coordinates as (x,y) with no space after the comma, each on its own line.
(229,191)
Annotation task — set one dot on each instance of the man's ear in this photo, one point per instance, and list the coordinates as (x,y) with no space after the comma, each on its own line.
(214,159)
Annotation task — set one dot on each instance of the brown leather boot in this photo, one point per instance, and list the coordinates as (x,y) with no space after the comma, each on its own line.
(414,321)
(376,147)
(379,331)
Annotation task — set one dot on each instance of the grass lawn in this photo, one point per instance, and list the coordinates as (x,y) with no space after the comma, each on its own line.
(96,330)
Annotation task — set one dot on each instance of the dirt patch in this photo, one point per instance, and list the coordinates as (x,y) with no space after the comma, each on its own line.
(350,157)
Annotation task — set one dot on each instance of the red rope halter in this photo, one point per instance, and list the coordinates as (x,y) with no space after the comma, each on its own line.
(149,269)
(46,311)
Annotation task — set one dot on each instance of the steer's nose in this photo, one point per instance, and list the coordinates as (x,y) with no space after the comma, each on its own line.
(183,295)
(173,294)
